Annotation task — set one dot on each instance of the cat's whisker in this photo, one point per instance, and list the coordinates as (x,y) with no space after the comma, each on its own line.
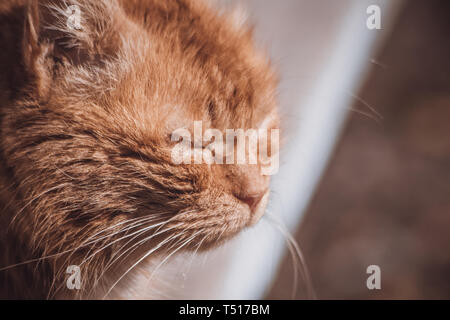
(132,224)
(157,232)
(297,256)
(221,233)
(130,250)
(139,261)
(194,253)
(368,115)
(185,243)
(34,199)
(49,256)
(137,220)
(136,245)
(140,231)
(139,223)
(377,115)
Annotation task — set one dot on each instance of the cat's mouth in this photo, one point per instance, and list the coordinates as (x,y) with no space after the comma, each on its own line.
(244,215)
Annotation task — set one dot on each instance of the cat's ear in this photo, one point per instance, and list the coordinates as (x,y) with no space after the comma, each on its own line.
(61,33)
(30,41)
(33,51)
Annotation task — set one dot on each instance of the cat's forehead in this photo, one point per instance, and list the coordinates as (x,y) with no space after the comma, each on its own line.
(172,95)
(163,79)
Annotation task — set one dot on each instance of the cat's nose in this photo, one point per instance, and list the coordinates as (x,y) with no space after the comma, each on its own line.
(252,200)
(250,186)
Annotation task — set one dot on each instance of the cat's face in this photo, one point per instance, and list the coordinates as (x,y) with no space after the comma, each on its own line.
(90,148)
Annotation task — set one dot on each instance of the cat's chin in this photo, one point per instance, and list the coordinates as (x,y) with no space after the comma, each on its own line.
(251,220)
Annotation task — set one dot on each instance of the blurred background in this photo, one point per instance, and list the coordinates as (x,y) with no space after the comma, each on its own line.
(384,198)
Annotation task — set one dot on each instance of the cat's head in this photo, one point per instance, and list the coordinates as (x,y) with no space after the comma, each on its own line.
(89,145)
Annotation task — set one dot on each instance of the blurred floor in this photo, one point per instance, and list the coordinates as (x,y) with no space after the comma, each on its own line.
(385,198)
